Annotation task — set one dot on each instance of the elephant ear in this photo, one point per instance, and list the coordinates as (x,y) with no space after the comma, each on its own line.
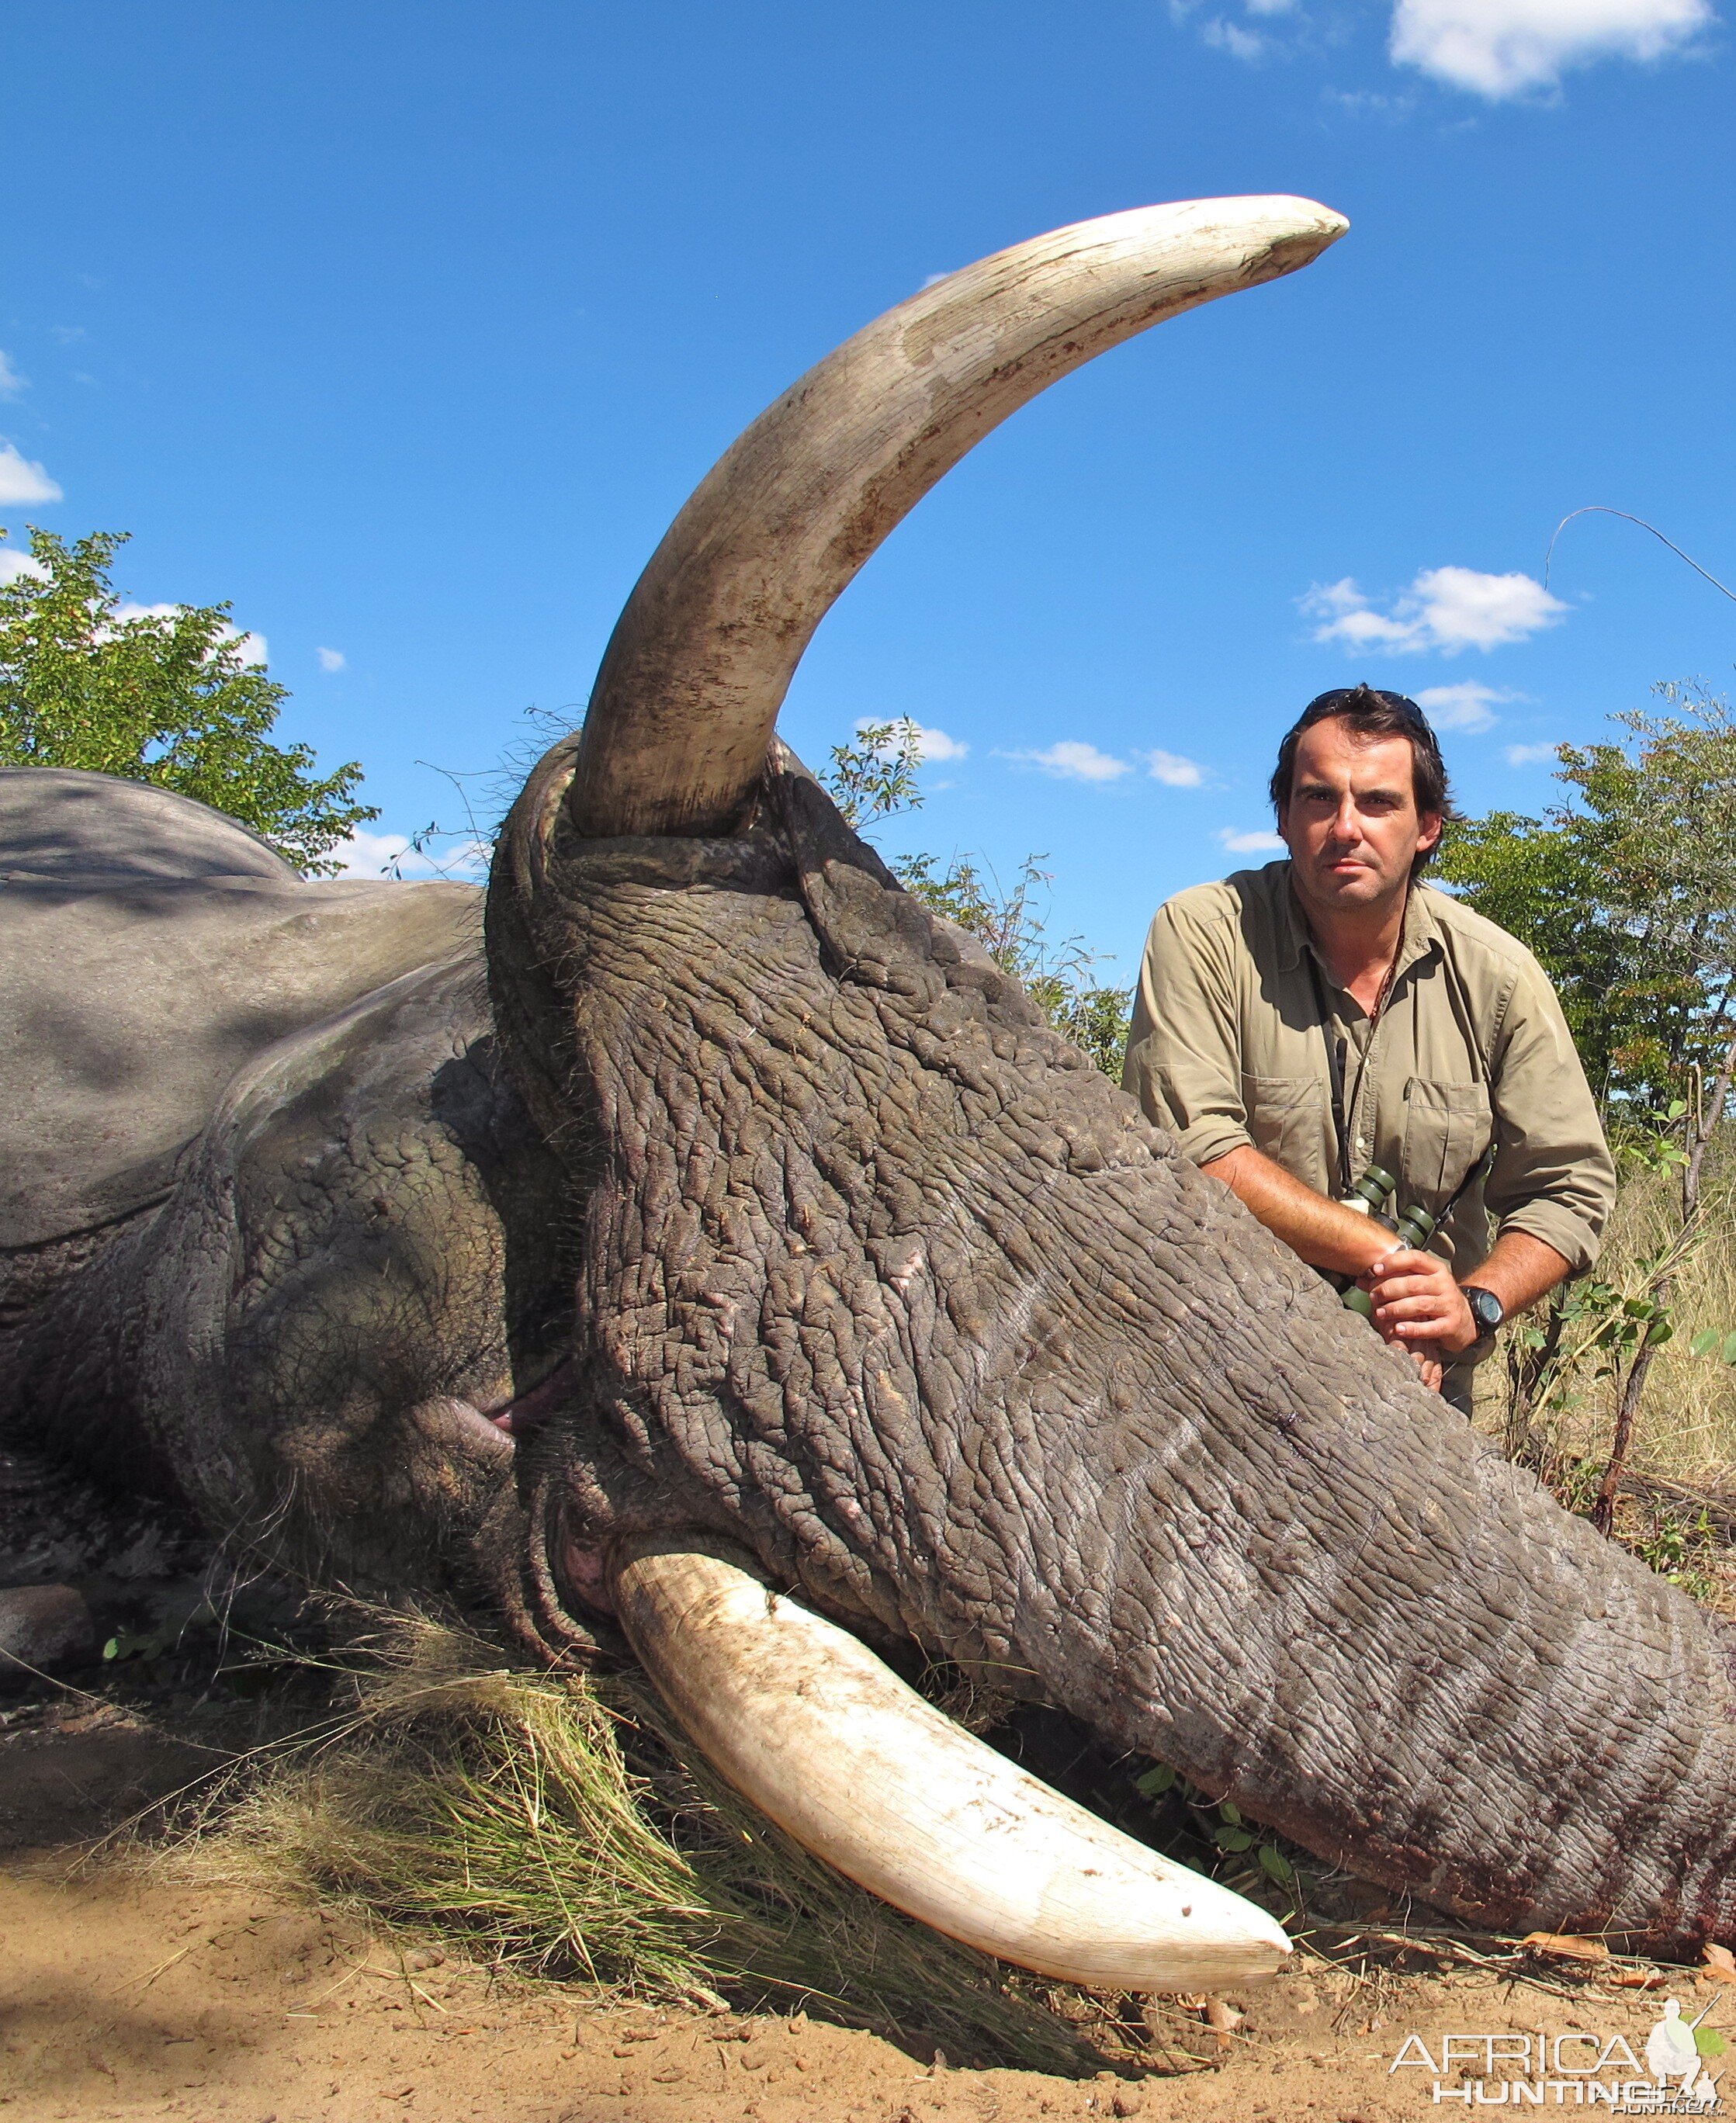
(874,933)
(149,949)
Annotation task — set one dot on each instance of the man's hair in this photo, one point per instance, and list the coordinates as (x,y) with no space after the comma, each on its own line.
(1370,713)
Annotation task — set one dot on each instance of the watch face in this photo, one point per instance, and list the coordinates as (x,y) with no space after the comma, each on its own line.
(1486,1309)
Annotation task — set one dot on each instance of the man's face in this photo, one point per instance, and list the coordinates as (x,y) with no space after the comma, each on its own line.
(1352,825)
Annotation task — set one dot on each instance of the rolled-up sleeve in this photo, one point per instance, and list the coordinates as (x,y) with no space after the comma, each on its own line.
(1182,1048)
(1553,1176)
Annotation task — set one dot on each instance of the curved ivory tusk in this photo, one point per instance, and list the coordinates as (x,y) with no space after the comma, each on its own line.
(807,1723)
(701,657)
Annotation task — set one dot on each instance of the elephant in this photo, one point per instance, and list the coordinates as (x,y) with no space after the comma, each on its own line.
(694,1248)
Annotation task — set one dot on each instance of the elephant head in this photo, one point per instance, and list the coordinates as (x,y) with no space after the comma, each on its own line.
(885,1292)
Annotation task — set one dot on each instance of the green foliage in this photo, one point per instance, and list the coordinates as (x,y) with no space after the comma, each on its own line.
(875,778)
(1594,1329)
(1627,891)
(1219,1824)
(163,697)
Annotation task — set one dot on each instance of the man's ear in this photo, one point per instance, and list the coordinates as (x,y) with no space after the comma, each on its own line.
(1430,827)
(1283,824)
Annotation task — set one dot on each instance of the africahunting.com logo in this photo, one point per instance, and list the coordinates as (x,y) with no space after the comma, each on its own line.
(1579,2069)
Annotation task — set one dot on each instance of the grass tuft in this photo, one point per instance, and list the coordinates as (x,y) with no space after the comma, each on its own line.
(560,1826)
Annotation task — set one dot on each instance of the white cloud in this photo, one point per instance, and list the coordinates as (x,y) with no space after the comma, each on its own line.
(22,481)
(1529,755)
(1502,48)
(1225,36)
(1469,707)
(389,855)
(931,746)
(252,646)
(1366,103)
(330,660)
(1072,760)
(1444,609)
(14,564)
(10,382)
(1251,844)
(1172,769)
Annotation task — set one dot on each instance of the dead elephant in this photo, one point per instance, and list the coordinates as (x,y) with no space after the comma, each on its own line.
(721,1207)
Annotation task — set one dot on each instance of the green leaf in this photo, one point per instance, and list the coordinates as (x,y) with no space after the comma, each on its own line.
(1276,1866)
(1709,2042)
(1729,1351)
(1156,1781)
(111,1649)
(1676,1109)
(1232,1814)
(1705,1342)
(1234,1839)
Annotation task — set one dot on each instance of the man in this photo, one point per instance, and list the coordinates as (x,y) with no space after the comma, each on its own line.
(1297,1024)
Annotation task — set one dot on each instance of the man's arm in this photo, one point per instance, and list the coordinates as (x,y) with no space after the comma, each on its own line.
(1324,1233)
(1550,1192)
(1417,1303)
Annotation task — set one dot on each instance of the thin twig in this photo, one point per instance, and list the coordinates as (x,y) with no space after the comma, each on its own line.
(1597,508)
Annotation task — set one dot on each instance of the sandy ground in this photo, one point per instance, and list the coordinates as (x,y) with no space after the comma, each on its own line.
(127,1995)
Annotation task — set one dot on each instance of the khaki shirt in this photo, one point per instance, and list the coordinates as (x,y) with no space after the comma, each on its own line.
(1227,1047)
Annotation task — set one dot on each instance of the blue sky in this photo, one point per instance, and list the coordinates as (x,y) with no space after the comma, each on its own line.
(408,327)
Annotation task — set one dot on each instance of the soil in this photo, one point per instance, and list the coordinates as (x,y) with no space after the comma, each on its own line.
(124,1993)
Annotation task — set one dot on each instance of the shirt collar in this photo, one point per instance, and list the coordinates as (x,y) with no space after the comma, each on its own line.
(1422,933)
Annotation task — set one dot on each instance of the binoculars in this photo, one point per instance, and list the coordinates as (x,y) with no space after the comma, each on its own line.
(1413,1227)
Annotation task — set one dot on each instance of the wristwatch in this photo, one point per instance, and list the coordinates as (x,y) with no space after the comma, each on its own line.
(1488,1311)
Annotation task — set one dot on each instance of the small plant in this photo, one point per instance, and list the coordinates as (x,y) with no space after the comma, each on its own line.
(1220,1824)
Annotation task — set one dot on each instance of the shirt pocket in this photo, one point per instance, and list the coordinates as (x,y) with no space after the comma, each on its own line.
(1447,1128)
(1287,1119)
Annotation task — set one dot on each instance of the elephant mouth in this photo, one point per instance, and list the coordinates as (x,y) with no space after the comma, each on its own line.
(815,1729)
(535,1405)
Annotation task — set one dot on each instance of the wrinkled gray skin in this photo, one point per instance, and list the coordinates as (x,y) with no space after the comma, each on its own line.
(876,1275)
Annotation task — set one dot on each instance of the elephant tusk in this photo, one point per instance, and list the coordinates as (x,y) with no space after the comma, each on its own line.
(807,1723)
(699,660)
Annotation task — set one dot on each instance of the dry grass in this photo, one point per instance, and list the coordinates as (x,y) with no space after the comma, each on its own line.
(559,1827)
(1687,1425)
(1686,1430)
(1677,1511)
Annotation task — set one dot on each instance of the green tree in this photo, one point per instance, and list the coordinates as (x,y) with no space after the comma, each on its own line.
(1627,891)
(163,698)
(876,778)
(1627,894)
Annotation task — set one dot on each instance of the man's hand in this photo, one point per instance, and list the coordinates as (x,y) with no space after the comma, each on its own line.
(1418,1303)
